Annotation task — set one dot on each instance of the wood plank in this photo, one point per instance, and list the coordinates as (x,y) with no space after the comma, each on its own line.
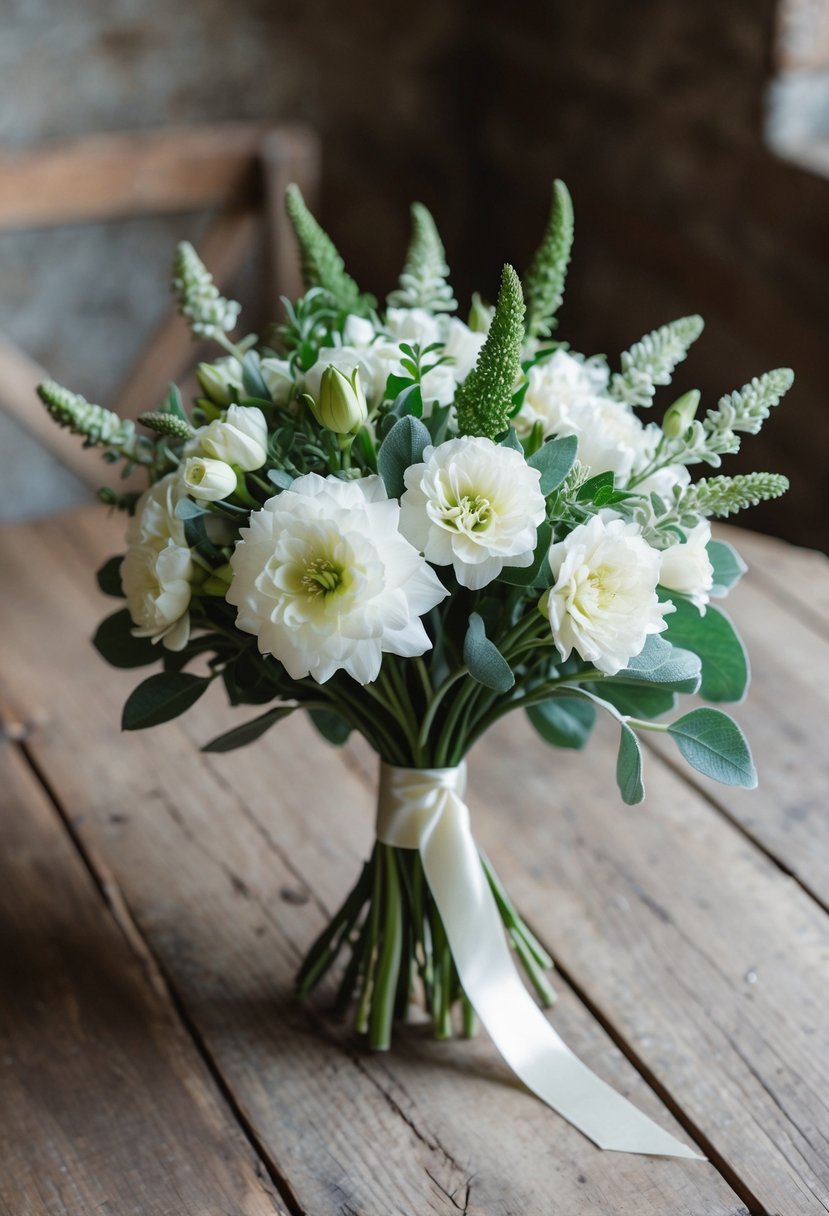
(796,578)
(103,177)
(225,870)
(106,1105)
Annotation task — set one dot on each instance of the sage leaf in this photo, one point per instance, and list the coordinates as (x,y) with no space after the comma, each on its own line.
(483,658)
(714,745)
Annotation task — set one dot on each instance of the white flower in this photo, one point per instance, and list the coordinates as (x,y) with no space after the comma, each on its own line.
(555,385)
(207,480)
(603,602)
(221,381)
(413,325)
(473,505)
(687,568)
(157,568)
(279,379)
(437,385)
(326,582)
(156,583)
(463,345)
(358,331)
(241,438)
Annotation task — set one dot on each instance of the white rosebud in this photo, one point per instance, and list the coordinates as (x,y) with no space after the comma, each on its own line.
(680,415)
(603,602)
(221,382)
(241,438)
(341,406)
(279,379)
(473,505)
(208,480)
(687,568)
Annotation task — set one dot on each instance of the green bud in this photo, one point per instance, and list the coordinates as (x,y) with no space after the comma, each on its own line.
(480,315)
(221,382)
(342,404)
(680,415)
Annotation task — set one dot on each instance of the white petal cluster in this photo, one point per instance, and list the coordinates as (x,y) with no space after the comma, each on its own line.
(240,438)
(603,601)
(157,569)
(207,480)
(378,354)
(687,568)
(326,582)
(474,505)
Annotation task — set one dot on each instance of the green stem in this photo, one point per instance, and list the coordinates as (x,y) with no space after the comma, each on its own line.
(385,986)
(361,1019)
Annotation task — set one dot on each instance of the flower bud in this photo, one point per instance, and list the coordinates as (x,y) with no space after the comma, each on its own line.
(241,438)
(480,315)
(342,403)
(208,480)
(221,382)
(680,415)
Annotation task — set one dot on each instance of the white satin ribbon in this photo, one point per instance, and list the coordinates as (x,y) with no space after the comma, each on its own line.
(424,809)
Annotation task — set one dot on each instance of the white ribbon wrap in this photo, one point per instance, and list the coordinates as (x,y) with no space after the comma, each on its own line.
(424,809)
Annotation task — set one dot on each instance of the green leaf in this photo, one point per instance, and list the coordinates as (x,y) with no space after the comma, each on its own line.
(725,668)
(729,567)
(114,642)
(564,721)
(662,663)
(483,658)
(252,378)
(186,508)
(162,697)
(637,701)
(109,578)
(554,460)
(595,485)
(248,732)
(714,745)
(280,478)
(527,576)
(331,725)
(629,767)
(402,447)
(408,401)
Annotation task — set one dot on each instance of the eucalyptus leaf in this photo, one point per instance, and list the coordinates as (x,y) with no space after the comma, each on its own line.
(186,508)
(483,658)
(114,642)
(727,564)
(281,479)
(661,663)
(161,698)
(402,447)
(248,732)
(511,440)
(563,721)
(725,668)
(714,745)
(252,379)
(554,460)
(109,578)
(637,700)
(629,767)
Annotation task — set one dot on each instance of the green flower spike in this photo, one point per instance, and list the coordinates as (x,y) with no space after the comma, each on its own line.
(208,313)
(423,282)
(321,264)
(724,496)
(548,270)
(166,424)
(100,427)
(484,400)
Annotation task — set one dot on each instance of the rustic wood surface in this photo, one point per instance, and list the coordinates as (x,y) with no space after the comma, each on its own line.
(690,933)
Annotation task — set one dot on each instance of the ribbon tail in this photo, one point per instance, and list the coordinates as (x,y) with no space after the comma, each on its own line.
(518,1028)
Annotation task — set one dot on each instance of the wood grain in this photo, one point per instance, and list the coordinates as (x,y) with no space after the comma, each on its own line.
(105,1105)
(226,866)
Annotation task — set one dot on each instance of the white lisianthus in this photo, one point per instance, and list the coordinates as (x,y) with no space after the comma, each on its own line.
(687,568)
(279,379)
(554,386)
(240,438)
(156,583)
(463,345)
(358,331)
(603,601)
(158,566)
(413,325)
(326,582)
(474,505)
(206,479)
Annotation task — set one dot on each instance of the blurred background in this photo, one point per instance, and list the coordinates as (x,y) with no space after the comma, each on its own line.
(694,139)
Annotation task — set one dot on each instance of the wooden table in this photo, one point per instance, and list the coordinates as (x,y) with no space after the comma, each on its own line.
(154,903)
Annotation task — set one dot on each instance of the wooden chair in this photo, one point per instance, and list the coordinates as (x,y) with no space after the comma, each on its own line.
(238,171)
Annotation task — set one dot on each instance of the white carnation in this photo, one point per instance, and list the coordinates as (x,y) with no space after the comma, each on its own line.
(326,582)
(413,325)
(554,386)
(603,601)
(474,505)
(240,438)
(687,568)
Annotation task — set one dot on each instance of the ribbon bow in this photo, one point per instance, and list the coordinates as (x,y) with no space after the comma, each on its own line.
(424,809)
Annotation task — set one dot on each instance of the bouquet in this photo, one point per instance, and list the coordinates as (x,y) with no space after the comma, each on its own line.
(408,525)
